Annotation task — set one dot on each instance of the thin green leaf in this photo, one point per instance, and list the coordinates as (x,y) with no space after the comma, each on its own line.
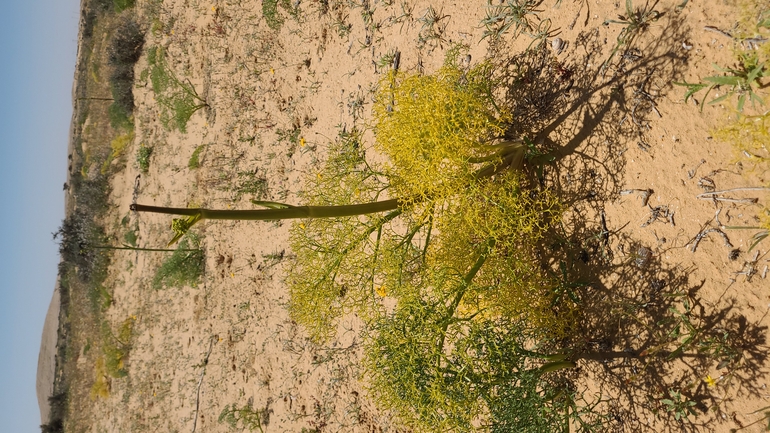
(755,73)
(271,204)
(759,237)
(719,99)
(724,81)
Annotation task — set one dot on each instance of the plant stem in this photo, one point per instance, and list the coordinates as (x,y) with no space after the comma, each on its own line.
(293,212)
(464,284)
(109,247)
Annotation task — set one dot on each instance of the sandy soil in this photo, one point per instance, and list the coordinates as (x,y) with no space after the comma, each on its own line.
(229,340)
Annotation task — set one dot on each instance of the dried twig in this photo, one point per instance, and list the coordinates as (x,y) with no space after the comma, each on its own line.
(731,200)
(660,212)
(691,173)
(745,188)
(749,268)
(717,30)
(707,184)
(200,382)
(713,195)
(605,234)
(696,240)
(643,193)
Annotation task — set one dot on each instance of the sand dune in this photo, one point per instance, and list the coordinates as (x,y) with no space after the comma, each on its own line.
(46,360)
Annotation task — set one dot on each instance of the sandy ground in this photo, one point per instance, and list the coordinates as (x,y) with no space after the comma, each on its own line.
(229,339)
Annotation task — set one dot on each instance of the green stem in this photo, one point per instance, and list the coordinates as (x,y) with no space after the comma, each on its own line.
(377,226)
(464,284)
(108,247)
(294,212)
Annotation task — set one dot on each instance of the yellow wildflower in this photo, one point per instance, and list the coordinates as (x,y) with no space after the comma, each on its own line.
(381,291)
(302,142)
(710,382)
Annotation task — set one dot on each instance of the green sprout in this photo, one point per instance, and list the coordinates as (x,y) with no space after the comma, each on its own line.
(743,81)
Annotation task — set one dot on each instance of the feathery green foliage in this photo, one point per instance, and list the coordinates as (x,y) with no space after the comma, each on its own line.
(143,155)
(444,373)
(183,267)
(194,161)
(245,416)
(177,99)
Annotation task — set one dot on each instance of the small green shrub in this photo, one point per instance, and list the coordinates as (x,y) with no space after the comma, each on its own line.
(101,5)
(194,161)
(116,347)
(54,426)
(123,52)
(511,14)
(634,22)
(183,267)
(119,117)
(243,418)
(484,374)
(143,155)
(270,12)
(125,48)
(88,19)
(121,5)
(130,237)
(177,99)
(118,145)
(77,234)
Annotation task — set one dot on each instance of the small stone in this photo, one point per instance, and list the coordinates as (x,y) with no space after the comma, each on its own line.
(558,45)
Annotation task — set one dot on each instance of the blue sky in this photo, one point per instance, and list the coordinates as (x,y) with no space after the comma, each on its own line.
(36,75)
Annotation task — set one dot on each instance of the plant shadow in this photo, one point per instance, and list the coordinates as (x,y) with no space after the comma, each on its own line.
(645,337)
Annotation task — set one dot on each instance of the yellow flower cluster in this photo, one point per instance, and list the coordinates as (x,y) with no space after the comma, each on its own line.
(432,128)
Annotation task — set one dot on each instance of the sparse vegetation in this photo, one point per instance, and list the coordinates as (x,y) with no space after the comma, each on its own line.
(241,418)
(123,53)
(118,146)
(116,346)
(459,242)
(634,22)
(512,15)
(741,81)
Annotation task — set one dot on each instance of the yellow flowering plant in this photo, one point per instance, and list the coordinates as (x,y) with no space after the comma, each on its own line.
(445,228)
